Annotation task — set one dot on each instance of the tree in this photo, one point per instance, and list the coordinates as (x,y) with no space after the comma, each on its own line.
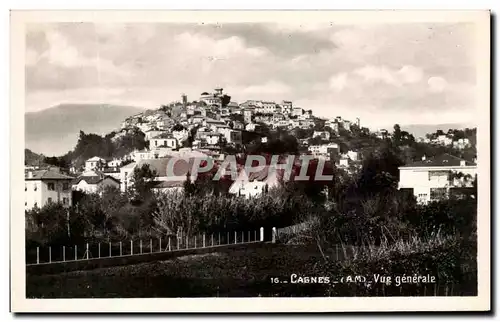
(380,172)
(178,127)
(396,136)
(141,179)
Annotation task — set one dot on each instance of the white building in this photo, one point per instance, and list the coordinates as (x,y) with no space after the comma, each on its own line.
(286,107)
(461,143)
(324,150)
(94,163)
(45,186)
(210,99)
(232,136)
(126,175)
(297,111)
(255,183)
(324,135)
(333,124)
(94,181)
(180,135)
(163,140)
(443,140)
(353,155)
(268,107)
(433,178)
(115,163)
(151,133)
(252,127)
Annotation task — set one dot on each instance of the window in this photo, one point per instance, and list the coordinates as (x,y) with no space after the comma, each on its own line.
(436,175)
(438,193)
(65,186)
(51,186)
(49,200)
(25,187)
(35,205)
(25,203)
(65,201)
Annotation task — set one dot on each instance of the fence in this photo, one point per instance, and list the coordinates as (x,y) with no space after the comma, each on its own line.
(91,251)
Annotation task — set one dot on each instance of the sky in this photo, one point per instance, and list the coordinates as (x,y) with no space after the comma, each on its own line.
(410,73)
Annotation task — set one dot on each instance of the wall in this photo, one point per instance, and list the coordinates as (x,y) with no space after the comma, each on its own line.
(418,179)
(32,196)
(41,195)
(58,194)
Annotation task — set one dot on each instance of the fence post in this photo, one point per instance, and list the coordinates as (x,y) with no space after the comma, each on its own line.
(131,247)
(121,249)
(194,241)
(227,241)
(219,238)
(248,236)
(99,250)
(274,235)
(242,237)
(255,235)
(140,246)
(203,240)
(235,238)
(50,254)
(76,253)
(38,255)
(110,249)
(160,244)
(150,245)
(64,253)
(187,242)
(87,250)
(169,244)
(212,237)
(178,242)
(261,234)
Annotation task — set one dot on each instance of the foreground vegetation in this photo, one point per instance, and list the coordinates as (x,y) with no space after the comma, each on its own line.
(249,273)
(379,229)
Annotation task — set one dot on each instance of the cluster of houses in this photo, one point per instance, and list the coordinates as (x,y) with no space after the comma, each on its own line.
(448,140)
(428,179)
(189,130)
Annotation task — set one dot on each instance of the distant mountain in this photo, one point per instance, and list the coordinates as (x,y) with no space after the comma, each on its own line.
(420,130)
(54,131)
(32,158)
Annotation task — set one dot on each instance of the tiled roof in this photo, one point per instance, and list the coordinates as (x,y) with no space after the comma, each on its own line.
(47,175)
(163,136)
(167,184)
(95,159)
(181,167)
(93,177)
(264,174)
(444,160)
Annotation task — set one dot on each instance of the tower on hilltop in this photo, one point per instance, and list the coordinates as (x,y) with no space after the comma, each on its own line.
(218,90)
(184,100)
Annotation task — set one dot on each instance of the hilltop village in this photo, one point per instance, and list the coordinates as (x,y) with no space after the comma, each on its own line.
(215,126)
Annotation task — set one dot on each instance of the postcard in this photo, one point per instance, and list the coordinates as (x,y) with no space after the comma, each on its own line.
(250,161)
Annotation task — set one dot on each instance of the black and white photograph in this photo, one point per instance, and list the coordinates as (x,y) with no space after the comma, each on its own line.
(253,156)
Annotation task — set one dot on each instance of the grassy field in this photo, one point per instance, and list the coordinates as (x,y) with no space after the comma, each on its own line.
(240,273)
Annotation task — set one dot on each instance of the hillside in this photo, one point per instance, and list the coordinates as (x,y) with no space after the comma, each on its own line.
(32,159)
(420,130)
(55,131)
